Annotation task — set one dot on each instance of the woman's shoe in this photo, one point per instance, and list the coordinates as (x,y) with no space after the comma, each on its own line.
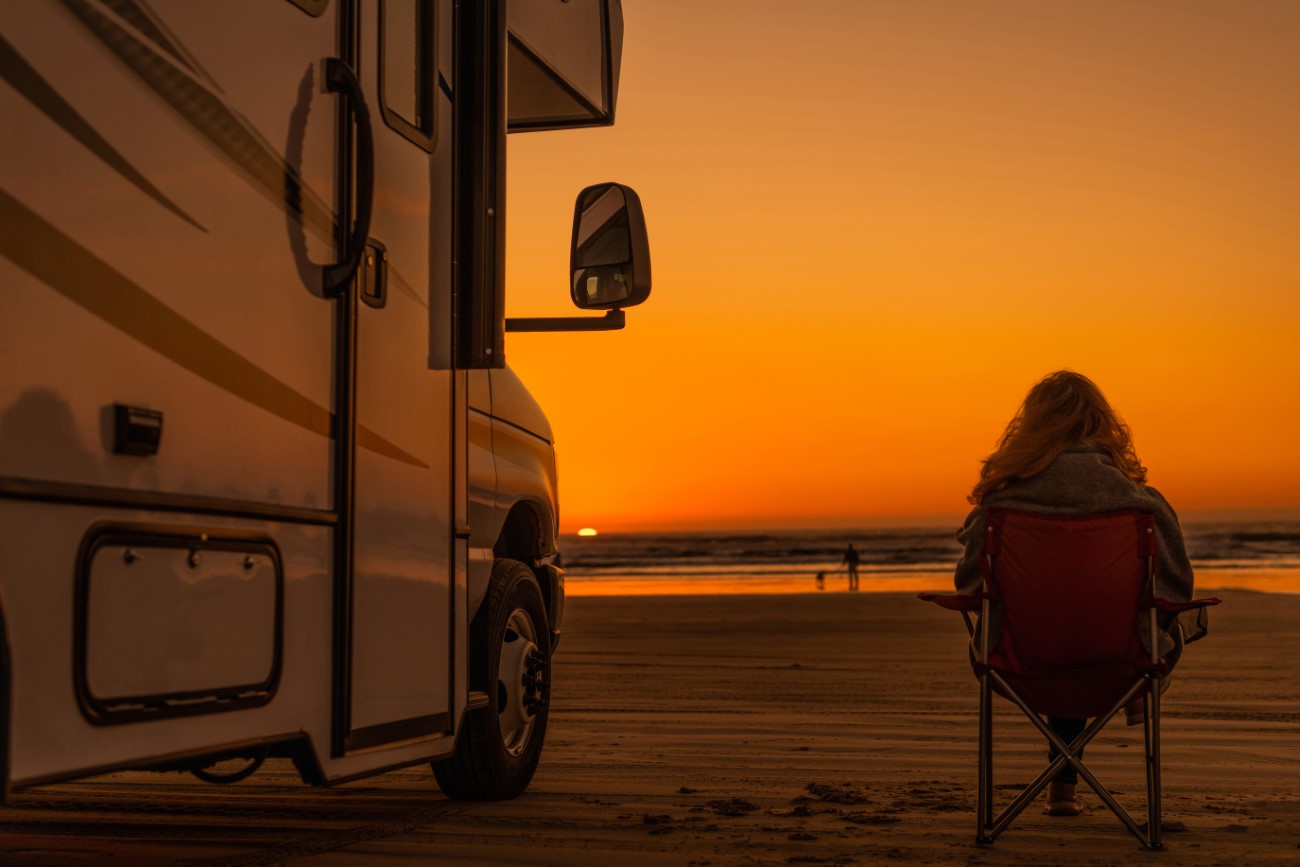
(1061,801)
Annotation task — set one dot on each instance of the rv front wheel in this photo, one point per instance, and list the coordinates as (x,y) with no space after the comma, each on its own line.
(499,745)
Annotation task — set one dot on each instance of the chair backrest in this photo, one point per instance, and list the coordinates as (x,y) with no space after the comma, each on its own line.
(1070,589)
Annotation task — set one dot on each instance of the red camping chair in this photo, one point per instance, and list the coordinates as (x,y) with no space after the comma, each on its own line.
(1071,591)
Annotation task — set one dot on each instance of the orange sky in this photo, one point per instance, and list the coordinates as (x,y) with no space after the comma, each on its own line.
(875,224)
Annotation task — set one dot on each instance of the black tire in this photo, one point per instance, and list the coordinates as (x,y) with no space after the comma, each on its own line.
(490,764)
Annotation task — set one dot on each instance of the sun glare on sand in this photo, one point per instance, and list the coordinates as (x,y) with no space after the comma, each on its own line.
(586,531)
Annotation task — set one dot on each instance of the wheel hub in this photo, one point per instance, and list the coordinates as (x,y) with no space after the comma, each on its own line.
(523,682)
(536,680)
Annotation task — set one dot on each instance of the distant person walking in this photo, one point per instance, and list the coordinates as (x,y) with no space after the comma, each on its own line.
(851,560)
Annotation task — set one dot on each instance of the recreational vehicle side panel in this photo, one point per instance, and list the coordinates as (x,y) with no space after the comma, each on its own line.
(248,492)
(167,247)
(56,735)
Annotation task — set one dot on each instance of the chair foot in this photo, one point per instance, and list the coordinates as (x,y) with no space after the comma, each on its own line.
(983,840)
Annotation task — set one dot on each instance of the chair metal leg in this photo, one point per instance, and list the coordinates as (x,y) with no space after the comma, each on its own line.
(988,755)
(984,805)
(1068,753)
(1152,729)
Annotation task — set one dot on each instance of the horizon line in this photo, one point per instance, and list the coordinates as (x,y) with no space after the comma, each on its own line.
(919,522)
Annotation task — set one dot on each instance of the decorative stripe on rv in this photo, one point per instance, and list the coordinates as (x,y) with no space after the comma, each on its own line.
(49,255)
(27,81)
(144,19)
(214,121)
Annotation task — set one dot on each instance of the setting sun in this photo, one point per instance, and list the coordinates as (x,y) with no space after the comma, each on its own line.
(586,531)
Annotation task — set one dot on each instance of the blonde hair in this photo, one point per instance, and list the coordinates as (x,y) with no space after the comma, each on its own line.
(1062,410)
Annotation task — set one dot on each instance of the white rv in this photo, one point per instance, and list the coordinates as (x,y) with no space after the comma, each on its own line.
(266,485)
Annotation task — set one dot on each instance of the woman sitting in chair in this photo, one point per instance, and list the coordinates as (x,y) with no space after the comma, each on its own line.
(1066,452)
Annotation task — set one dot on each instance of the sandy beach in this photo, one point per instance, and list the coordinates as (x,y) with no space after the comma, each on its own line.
(799,729)
(840,729)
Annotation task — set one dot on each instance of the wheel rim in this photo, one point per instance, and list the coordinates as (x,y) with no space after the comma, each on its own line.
(522,682)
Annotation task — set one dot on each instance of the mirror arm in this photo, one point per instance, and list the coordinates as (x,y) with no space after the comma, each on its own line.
(613,320)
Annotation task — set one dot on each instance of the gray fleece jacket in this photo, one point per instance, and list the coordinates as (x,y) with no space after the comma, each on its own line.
(1084,481)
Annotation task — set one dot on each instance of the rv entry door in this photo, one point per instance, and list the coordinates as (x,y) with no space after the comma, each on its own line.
(397,685)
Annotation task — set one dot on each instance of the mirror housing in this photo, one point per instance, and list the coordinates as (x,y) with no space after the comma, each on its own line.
(609,257)
(609,261)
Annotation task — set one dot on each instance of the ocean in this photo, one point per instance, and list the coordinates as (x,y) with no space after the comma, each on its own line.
(1257,555)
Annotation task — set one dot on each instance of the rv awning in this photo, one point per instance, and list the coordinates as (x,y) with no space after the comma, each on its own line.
(562,63)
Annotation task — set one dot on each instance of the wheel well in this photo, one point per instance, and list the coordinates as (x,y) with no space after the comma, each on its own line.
(522,538)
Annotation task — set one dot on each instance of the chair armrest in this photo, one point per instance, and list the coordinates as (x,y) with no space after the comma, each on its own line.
(1168,605)
(955,601)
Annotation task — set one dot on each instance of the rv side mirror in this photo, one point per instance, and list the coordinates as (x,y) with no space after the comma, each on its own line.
(609,260)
